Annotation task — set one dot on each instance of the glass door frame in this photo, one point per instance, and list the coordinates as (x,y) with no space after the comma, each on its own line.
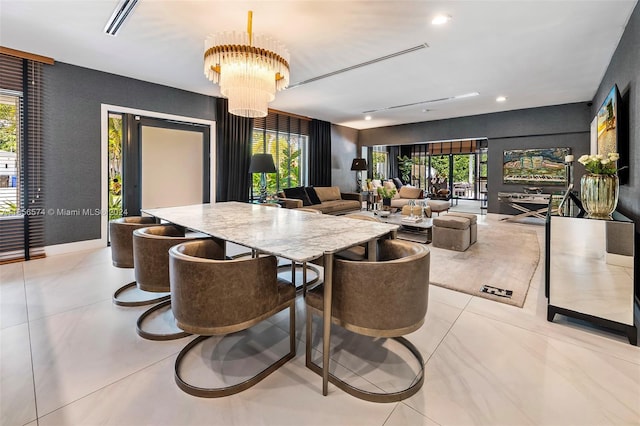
(105,109)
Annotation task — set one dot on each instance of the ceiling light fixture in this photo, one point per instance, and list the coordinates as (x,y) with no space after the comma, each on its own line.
(441,19)
(368,117)
(121,12)
(501,98)
(248,68)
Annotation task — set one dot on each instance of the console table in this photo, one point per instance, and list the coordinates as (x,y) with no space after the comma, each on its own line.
(535,205)
(589,271)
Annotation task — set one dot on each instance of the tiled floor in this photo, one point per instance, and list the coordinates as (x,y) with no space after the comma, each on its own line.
(69,356)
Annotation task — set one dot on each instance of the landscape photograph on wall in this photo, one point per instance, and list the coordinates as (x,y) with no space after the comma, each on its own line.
(607,123)
(544,166)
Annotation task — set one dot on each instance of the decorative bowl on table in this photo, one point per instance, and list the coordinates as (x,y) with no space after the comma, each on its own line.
(532,190)
(383,213)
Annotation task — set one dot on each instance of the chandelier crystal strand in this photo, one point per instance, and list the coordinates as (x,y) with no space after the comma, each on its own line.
(249,68)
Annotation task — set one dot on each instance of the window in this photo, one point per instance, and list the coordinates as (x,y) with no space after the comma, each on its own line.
(22,207)
(9,151)
(115,166)
(380,162)
(286,138)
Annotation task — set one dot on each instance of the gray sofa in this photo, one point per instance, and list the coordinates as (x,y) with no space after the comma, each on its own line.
(332,201)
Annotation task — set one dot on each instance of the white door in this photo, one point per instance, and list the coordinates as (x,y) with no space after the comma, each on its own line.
(172,167)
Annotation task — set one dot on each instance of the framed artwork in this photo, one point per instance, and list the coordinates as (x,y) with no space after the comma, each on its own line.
(543,166)
(608,123)
(594,136)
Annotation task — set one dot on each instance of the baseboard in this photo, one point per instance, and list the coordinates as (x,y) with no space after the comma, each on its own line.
(74,247)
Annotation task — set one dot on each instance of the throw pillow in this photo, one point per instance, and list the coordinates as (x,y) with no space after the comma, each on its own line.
(298,193)
(397,182)
(313,197)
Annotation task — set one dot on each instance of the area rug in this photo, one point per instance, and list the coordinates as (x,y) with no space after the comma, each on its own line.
(503,261)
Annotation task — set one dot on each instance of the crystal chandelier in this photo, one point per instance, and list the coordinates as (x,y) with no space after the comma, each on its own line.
(249,69)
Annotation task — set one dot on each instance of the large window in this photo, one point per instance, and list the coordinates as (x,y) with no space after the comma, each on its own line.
(286,139)
(9,151)
(22,207)
(115,165)
(380,162)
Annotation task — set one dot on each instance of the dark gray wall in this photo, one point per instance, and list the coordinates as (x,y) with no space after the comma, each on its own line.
(624,70)
(546,127)
(71,128)
(344,143)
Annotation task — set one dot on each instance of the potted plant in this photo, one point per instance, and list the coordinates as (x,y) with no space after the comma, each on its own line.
(599,186)
(386,195)
(405,165)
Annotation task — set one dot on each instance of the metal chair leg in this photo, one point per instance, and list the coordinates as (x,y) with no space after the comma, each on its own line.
(157,336)
(133,284)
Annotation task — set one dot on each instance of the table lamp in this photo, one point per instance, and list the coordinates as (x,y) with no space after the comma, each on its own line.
(359,164)
(263,164)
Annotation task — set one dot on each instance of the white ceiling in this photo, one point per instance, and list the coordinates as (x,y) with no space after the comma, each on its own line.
(534,52)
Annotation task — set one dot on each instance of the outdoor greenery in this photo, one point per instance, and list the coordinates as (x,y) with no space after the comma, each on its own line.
(8,127)
(379,158)
(460,166)
(115,167)
(8,208)
(286,152)
(405,165)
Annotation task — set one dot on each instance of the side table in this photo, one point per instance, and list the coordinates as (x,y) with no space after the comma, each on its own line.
(371,197)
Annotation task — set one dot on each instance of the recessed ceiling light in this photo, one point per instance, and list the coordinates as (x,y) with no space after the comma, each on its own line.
(368,117)
(501,98)
(441,19)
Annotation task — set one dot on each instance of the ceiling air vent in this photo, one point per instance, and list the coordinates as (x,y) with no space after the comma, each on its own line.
(450,98)
(119,15)
(364,64)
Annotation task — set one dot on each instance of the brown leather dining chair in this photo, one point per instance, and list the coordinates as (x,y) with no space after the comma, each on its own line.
(151,259)
(356,253)
(121,238)
(212,296)
(383,299)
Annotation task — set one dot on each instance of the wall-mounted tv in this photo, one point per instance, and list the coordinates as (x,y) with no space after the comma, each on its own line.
(608,123)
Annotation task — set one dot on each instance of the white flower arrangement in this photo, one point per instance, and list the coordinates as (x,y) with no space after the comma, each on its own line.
(599,164)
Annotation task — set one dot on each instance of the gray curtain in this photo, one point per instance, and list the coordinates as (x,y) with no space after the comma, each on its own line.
(394,152)
(233,139)
(320,153)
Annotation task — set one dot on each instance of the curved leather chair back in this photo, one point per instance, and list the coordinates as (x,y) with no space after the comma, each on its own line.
(211,296)
(121,237)
(151,255)
(387,298)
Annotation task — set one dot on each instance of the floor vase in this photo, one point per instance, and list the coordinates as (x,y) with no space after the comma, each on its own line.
(599,194)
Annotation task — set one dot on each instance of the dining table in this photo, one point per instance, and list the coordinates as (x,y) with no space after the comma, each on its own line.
(295,235)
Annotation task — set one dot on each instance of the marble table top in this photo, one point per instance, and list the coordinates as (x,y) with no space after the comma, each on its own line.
(296,235)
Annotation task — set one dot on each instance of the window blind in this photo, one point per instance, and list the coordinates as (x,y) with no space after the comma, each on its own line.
(22,234)
(283,122)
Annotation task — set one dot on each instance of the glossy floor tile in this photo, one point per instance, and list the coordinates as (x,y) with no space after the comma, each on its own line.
(17,398)
(68,356)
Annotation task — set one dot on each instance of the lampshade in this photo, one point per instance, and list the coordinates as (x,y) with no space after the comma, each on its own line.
(359,164)
(250,69)
(262,163)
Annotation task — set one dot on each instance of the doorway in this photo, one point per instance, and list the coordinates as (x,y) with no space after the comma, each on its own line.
(165,160)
